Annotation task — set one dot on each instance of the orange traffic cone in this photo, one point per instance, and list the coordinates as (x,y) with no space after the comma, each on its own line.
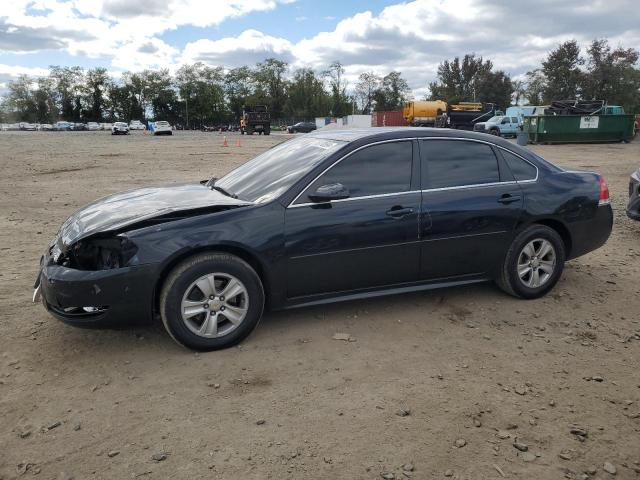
(238,142)
(225,143)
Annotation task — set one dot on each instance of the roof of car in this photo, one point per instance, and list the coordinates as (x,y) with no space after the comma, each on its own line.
(352,134)
(363,136)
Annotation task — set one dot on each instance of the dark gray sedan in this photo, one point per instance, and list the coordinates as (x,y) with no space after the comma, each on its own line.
(633,207)
(302,127)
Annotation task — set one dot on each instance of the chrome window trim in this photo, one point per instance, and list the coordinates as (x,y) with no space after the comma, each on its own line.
(475,185)
(350,199)
(292,204)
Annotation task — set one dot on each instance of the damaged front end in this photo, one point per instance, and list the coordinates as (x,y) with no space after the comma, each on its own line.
(94,272)
(93,281)
(97,253)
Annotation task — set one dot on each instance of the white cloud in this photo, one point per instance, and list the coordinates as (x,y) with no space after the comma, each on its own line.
(113,29)
(412,37)
(249,47)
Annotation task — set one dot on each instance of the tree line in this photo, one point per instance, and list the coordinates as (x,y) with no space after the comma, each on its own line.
(196,95)
(199,94)
(600,73)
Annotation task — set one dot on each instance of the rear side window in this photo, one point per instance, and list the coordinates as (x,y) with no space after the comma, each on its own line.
(521,169)
(374,170)
(456,163)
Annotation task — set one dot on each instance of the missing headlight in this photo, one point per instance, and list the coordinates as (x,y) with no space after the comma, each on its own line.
(99,253)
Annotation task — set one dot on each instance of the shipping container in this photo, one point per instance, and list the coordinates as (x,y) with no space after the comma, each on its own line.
(579,128)
(388,119)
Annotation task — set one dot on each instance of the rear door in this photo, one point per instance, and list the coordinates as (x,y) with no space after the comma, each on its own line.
(473,204)
(367,240)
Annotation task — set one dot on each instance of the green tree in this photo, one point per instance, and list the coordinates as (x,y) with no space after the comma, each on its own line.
(393,92)
(307,97)
(271,85)
(340,102)
(535,87)
(562,72)
(21,102)
(471,79)
(95,85)
(201,89)
(44,97)
(612,75)
(238,87)
(68,83)
(368,84)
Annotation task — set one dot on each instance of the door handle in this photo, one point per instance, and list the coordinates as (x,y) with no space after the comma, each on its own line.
(507,198)
(399,212)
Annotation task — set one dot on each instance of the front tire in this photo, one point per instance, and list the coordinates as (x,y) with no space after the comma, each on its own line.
(211,301)
(495,131)
(534,263)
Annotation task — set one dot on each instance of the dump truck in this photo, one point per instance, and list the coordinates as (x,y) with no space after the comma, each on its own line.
(465,115)
(255,118)
(423,113)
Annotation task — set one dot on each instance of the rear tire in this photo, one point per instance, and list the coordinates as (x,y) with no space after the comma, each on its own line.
(202,318)
(533,264)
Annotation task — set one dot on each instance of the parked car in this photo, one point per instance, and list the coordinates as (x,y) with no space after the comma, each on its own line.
(63,126)
(136,125)
(79,127)
(120,128)
(499,125)
(633,207)
(162,128)
(46,127)
(93,126)
(106,126)
(302,127)
(27,126)
(332,215)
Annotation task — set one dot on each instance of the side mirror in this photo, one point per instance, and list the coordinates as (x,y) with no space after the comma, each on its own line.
(332,191)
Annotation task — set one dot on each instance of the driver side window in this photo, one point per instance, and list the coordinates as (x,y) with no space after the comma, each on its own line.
(375,170)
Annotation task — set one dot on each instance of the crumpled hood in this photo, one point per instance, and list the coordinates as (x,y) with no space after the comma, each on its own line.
(126,208)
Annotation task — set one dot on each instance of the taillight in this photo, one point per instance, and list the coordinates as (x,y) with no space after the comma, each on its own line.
(604,193)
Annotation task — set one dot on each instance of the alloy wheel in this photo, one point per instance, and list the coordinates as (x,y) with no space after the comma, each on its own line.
(536,263)
(214,305)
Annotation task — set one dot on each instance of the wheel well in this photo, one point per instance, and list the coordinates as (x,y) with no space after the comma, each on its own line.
(562,231)
(238,252)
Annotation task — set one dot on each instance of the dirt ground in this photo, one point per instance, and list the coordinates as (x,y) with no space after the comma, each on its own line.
(440,384)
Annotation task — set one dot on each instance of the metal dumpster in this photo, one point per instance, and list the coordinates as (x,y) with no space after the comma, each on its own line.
(579,128)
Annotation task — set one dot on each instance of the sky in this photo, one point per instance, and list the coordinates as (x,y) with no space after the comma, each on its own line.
(374,35)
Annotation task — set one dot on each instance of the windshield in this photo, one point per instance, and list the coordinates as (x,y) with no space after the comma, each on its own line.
(270,174)
(496,119)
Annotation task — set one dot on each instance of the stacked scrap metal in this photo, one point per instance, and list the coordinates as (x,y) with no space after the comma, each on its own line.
(575,107)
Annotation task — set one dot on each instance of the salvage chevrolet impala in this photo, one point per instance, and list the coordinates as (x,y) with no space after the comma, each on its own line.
(330,216)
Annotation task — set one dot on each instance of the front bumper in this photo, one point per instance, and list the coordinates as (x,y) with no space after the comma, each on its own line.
(633,207)
(103,298)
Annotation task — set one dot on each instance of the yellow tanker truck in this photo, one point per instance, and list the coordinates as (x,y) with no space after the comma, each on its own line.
(423,113)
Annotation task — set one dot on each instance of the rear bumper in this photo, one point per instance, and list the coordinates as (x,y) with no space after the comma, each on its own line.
(591,234)
(117,297)
(633,207)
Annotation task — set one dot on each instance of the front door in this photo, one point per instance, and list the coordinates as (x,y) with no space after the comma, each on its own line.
(473,208)
(369,239)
